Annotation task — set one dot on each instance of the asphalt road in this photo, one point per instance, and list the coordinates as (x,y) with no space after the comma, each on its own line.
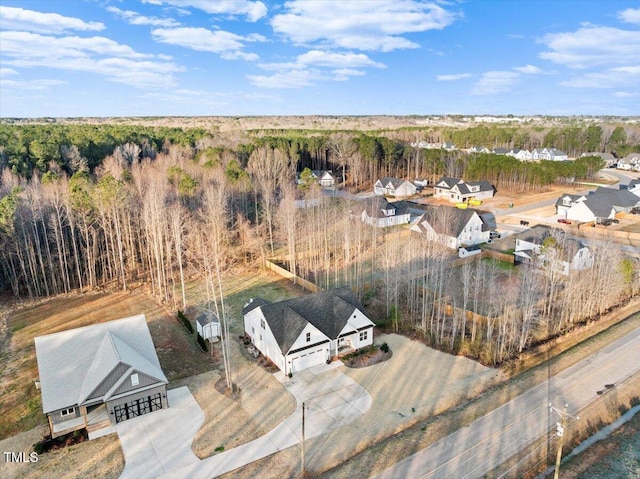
(488,442)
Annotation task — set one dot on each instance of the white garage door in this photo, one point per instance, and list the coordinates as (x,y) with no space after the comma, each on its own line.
(308,358)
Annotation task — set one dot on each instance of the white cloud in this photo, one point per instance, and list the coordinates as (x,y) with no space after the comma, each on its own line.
(630,15)
(5,72)
(228,44)
(99,55)
(286,79)
(453,77)
(529,69)
(334,59)
(625,94)
(43,84)
(620,77)
(325,65)
(362,25)
(253,10)
(343,74)
(495,82)
(592,46)
(12,18)
(134,18)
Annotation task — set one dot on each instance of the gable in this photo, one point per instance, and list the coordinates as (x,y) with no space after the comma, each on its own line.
(126,384)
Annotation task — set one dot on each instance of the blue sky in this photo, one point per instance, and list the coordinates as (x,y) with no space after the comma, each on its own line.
(325,57)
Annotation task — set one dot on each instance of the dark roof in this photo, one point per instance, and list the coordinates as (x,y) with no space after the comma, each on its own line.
(488,220)
(395,182)
(253,304)
(374,206)
(446,220)
(500,151)
(620,198)
(206,317)
(328,311)
(451,182)
(567,246)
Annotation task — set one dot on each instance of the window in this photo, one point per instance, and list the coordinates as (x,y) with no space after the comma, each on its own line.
(253,330)
(135,380)
(70,411)
(308,337)
(363,335)
(262,323)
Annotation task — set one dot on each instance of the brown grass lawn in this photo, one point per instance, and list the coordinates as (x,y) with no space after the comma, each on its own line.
(20,403)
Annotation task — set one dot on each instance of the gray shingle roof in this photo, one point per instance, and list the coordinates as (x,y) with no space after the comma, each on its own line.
(206,317)
(450,182)
(375,205)
(446,220)
(72,363)
(328,311)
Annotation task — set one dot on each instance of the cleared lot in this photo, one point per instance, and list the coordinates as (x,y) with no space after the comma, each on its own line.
(416,383)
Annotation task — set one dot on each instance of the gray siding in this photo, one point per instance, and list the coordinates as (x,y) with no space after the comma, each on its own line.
(56,418)
(108,382)
(126,385)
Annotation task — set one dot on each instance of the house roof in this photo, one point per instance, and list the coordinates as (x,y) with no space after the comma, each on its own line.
(446,220)
(395,182)
(604,156)
(450,182)
(484,185)
(500,151)
(72,363)
(253,304)
(375,205)
(206,317)
(619,198)
(566,248)
(328,311)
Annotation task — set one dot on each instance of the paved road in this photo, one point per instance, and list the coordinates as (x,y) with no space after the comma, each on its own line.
(488,442)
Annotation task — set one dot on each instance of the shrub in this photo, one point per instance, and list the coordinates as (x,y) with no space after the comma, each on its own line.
(202,343)
(185,321)
(384,347)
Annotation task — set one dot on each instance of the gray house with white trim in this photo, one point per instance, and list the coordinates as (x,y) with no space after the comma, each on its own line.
(97,376)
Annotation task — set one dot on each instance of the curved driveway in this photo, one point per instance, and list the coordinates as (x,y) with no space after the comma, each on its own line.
(159,444)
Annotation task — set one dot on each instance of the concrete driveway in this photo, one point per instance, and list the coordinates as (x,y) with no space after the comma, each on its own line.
(159,444)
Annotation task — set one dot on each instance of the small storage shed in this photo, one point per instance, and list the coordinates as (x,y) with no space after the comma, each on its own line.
(208,326)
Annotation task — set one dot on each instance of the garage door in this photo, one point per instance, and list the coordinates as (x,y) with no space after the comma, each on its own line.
(307,359)
(137,407)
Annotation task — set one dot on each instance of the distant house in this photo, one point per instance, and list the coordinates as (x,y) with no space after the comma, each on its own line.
(452,227)
(550,154)
(300,333)
(597,206)
(394,187)
(208,325)
(499,151)
(552,248)
(457,191)
(479,149)
(633,187)
(99,375)
(377,211)
(522,155)
(322,177)
(631,162)
(608,158)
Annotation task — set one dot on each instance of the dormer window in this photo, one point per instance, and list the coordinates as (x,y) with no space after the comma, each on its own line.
(135,380)
(68,412)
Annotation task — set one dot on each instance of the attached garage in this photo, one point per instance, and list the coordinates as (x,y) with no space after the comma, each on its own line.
(138,407)
(308,358)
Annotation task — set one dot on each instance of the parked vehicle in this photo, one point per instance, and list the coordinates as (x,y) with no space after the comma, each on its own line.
(494,235)
(563,221)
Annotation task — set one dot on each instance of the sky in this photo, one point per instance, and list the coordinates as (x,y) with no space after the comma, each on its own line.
(104,58)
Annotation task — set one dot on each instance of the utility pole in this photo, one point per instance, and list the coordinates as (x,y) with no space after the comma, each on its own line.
(304,473)
(560,427)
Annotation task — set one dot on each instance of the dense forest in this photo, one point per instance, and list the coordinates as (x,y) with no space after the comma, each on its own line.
(84,207)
